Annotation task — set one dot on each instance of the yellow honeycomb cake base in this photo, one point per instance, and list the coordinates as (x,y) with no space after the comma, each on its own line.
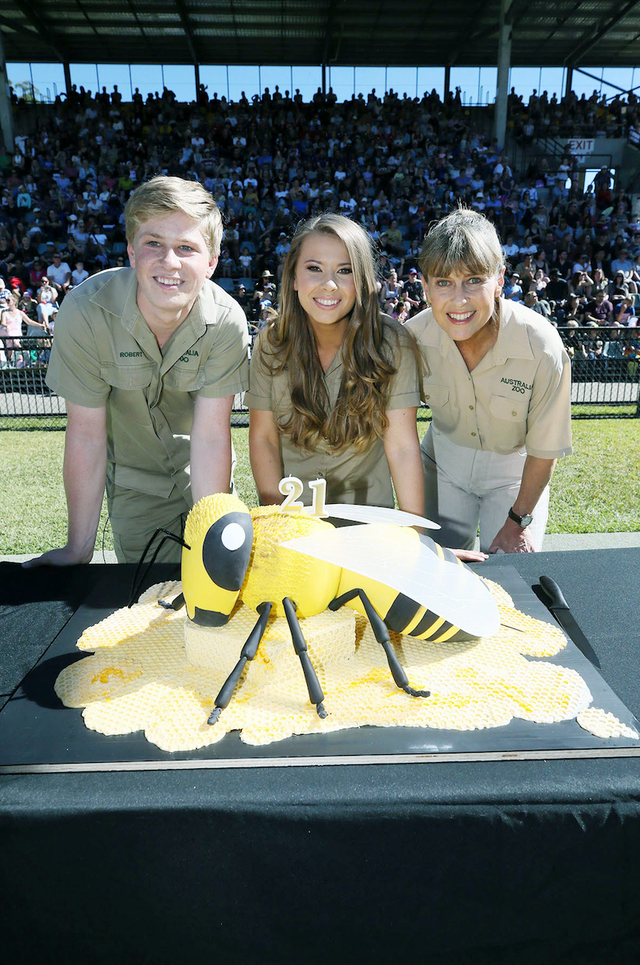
(155,671)
(603,724)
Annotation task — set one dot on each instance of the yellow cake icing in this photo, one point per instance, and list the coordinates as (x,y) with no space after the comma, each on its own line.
(154,670)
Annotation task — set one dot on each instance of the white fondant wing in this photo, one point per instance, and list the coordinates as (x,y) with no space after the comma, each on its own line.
(406,564)
(375,514)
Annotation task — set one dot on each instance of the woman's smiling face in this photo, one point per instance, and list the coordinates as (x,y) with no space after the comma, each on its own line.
(324,280)
(463,303)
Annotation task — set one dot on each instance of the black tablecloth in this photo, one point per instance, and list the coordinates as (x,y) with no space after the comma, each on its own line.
(518,861)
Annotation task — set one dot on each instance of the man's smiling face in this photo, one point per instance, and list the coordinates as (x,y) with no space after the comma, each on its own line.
(172,262)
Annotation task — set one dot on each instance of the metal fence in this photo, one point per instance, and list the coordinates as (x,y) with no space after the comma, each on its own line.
(605,371)
(26,402)
(606,379)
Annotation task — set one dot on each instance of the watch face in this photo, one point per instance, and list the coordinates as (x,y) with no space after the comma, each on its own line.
(521,520)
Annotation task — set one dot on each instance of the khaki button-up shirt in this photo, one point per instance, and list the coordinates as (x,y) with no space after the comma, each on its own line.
(518,396)
(352,477)
(104,354)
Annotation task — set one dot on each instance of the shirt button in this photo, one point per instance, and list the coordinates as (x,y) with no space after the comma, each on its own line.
(514,413)
(473,433)
(471,407)
(427,397)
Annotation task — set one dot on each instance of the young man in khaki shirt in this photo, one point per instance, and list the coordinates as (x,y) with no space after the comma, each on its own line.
(149,360)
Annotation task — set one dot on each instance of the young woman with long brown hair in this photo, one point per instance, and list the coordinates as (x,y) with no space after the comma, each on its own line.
(334,384)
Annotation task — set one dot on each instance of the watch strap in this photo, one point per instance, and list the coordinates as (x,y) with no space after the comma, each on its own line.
(520,520)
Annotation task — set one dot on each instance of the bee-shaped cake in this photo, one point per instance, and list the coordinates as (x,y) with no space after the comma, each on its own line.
(296,564)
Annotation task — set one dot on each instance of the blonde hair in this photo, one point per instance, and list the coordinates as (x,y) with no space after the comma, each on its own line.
(368,351)
(464,239)
(165,195)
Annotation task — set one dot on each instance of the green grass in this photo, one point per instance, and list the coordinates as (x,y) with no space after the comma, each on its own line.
(32,502)
(595,490)
(243,477)
(597,410)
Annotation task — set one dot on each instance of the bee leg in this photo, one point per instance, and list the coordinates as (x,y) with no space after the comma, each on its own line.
(247,653)
(176,604)
(316,695)
(381,634)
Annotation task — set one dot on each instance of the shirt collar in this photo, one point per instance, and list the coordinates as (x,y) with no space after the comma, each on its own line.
(429,333)
(119,298)
(512,342)
(513,338)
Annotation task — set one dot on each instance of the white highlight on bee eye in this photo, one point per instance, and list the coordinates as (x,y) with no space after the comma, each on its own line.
(233,536)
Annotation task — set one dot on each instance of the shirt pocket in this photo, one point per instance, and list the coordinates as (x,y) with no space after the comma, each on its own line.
(128,398)
(127,377)
(436,396)
(184,380)
(510,410)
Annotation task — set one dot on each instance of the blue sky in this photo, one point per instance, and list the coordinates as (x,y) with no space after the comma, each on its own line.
(477,83)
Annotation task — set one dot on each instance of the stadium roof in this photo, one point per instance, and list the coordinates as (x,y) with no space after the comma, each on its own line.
(572,33)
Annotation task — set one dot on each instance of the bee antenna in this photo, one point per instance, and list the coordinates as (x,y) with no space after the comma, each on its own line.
(137,581)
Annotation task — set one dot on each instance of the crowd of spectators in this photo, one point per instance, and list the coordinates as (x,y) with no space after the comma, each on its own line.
(395,164)
(572,116)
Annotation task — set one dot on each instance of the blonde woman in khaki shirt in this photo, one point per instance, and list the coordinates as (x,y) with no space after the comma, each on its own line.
(499,386)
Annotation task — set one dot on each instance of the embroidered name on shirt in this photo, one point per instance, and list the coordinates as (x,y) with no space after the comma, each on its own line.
(517,385)
(130,355)
(191,351)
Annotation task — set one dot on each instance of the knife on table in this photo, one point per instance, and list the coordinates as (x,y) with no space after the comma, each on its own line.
(551,595)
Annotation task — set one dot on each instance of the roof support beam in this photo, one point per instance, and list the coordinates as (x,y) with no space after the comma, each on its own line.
(6,114)
(504,65)
(186,26)
(328,56)
(569,82)
(592,39)
(609,83)
(471,32)
(90,20)
(43,30)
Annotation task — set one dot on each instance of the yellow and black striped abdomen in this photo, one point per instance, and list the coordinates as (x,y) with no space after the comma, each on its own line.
(407,616)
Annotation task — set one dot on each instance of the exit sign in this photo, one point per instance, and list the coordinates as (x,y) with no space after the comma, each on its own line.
(580,146)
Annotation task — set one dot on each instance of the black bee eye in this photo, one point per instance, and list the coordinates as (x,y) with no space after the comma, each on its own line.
(226,550)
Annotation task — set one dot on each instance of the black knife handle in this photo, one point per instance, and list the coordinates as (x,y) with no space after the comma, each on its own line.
(553,591)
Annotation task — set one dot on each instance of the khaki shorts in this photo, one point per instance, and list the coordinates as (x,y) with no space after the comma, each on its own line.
(136,516)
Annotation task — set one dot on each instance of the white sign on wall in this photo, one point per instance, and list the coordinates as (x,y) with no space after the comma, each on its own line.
(580,146)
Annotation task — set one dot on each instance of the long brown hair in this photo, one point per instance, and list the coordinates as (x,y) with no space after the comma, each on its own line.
(368,350)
